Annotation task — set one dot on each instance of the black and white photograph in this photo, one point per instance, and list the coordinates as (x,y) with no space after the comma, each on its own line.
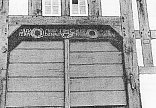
(77,53)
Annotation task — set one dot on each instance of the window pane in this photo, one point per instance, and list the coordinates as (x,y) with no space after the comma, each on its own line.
(78,8)
(51,7)
(18,7)
(110,7)
(151,7)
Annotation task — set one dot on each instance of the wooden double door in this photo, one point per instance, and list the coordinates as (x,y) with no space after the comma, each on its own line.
(36,75)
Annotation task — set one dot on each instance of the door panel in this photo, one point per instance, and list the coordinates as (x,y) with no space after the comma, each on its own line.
(95,58)
(96,75)
(36,70)
(40,45)
(92,46)
(36,75)
(93,84)
(96,70)
(98,98)
(35,56)
(35,84)
(21,99)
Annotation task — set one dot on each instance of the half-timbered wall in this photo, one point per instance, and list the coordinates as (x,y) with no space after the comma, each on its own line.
(63,66)
(122,24)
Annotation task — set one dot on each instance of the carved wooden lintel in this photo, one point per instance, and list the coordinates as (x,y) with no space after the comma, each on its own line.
(60,32)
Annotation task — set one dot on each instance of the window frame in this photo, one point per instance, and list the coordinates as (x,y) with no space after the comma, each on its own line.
(86,4)
(59,6)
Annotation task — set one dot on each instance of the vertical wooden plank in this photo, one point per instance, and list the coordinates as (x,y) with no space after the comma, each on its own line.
(3,49)
(35,7)
(67,77)
(95,8)
(67,7)
(30,7)
(63,7)
(130,58)
(145,32)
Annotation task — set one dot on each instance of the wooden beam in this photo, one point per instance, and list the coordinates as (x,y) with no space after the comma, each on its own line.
(35,7)
(130,57)
(63,7)
(138,36)
(145,33)
(3,49)
(67,8)
(12,29)
(147,70)
(94,7)
(67,77)
(39,20)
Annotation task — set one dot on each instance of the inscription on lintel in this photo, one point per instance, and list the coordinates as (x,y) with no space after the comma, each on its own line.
(62,32)
(44,33)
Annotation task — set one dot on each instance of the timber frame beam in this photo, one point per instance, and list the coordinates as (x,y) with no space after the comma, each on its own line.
(152,34)
(40,20)
(145,33)
(147,70)
(129,47)
(3,48)
(16,21)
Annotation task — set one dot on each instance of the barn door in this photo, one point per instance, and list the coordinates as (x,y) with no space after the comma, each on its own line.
(96,75)
(85,69)
(36,75)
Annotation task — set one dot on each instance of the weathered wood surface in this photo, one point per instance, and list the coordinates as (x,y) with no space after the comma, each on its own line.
(118,106)
(46,45)
(95,58)
(4,8)
(145,33)
(35,84)
(36,70)
(40,56)
(67,74)
(114,106)
(33,81)
(40,20)
(96,74)
(96,70)
(3,34)
(12,29)
(152,33)
(98,98)
(26,99)
(67,7)
(63,7)
(133,92)
(97,84)
(92,46)
(147,70)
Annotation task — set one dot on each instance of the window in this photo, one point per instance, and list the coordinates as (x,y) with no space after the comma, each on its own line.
(78,8)
(51,7)
(18,7)
(110,7)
